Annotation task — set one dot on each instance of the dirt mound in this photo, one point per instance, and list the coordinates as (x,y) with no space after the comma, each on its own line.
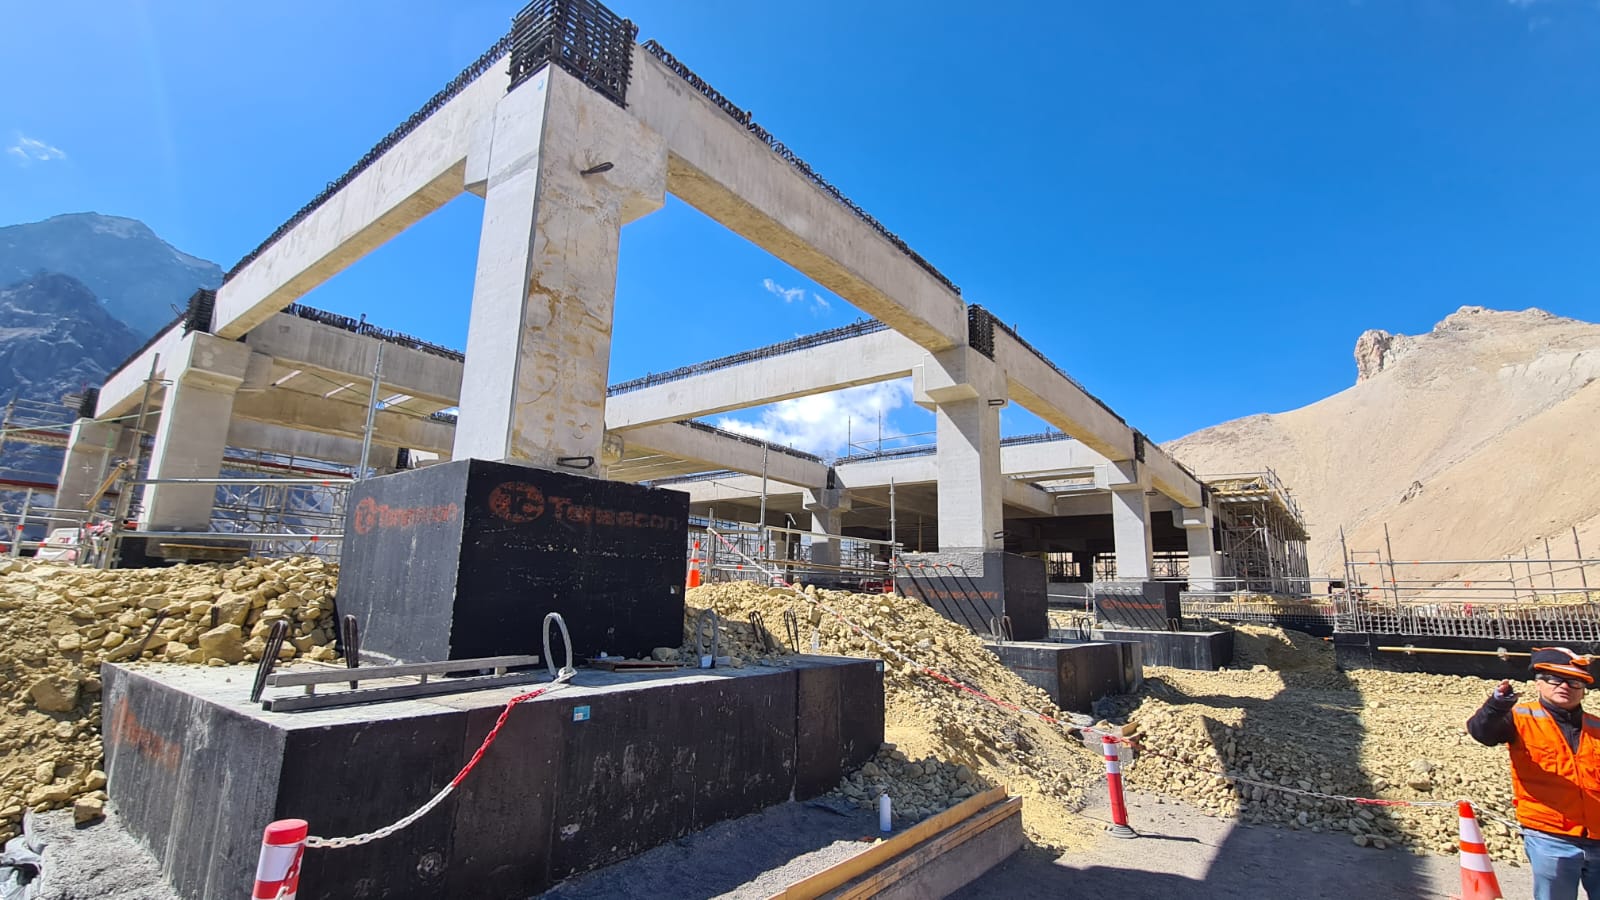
(1290,737)
(59,623)
(925,717)
(1425,439)
(1280,649)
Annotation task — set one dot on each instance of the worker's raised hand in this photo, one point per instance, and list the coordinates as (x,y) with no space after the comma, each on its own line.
(1504,690)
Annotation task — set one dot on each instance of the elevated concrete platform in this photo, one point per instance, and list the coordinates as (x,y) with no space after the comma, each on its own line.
(585,776)
(1203,651)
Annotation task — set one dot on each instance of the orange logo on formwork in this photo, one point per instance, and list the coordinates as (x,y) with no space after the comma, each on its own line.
(516,502)
(127,732)
(371,514)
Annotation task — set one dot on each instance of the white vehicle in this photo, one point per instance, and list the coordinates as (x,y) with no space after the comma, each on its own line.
(61,545)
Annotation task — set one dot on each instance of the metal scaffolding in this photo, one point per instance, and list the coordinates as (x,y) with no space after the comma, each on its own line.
(1262,534)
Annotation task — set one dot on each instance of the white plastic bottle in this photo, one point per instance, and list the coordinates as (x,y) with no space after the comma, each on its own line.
(885,817)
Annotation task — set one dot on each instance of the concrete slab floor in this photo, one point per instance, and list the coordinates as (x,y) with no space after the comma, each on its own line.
(1186,855)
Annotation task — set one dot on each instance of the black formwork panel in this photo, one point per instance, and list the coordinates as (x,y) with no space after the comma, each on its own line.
(586,776)
(464,559)
(1204,651)
(1073,674)
(1150,605)
(974,587)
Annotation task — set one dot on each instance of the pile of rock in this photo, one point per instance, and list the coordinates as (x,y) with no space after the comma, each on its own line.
(916,788)
(61,622)
(1004,743)
(1287,738)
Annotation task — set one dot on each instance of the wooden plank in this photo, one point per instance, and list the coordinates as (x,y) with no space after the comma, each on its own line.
(902,866)
(858,865)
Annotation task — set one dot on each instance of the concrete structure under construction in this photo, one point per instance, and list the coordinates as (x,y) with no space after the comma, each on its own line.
(569,130)
(247,367)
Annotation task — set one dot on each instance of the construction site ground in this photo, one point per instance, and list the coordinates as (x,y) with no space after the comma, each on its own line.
(1262,758)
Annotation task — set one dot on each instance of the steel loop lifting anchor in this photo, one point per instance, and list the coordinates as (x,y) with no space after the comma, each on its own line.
(707,649)
(567,671)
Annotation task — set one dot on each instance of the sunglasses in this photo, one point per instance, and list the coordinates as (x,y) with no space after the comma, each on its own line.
(1557,679)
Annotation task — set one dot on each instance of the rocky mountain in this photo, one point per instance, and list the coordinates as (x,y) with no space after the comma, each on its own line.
(138,276)
(1473,441)
(56,337)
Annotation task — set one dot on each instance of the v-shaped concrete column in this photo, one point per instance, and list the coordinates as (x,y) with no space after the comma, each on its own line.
(561,169)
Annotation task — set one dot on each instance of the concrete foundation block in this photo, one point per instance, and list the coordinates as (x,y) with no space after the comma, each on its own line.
(589,775)
(1152,605)
(1204,651)
(464,559)
(973,587)
(1073,674)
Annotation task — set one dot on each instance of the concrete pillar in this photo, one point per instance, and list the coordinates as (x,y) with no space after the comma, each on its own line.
(966,391)
(1130,526)
(1204,564)
(89,451)
(827,507)
(539,339)
(193,431)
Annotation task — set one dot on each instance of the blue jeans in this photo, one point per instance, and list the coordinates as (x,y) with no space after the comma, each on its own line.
(1560,864)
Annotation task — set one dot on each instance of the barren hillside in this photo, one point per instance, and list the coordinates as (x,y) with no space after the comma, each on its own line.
(1475,440)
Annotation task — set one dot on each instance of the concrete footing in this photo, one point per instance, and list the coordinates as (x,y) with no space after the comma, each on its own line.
(1204,651)
(975,587)
(1075,674)
(589,775)
(1481,657)
(463,560)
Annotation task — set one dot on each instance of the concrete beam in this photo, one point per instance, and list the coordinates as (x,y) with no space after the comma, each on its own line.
(298,343)
(124,388)
(307,445)
(308,412)
(718,167)
(871,358)
(719,451)
(1053,397)
(1024,496)
(421,173)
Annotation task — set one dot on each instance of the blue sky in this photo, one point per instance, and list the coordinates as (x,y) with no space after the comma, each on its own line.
(1194,208)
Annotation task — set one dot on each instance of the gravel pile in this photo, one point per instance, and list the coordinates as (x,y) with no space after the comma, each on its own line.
(1384,735)
(917,789)
(61,622)
(1042,762)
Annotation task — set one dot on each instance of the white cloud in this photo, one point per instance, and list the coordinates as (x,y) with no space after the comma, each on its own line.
(824,424)
(29,150)
(796,294)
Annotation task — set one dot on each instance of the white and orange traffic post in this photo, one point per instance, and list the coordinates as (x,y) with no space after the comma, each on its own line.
(1119,809)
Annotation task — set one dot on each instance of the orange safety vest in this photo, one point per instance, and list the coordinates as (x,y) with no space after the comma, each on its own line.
(1557,791)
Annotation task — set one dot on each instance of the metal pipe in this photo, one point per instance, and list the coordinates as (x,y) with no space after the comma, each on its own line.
(1499,653)
(372,412)
(22,524)
(892,542)
(241,536)
(1577,550)
(324,482)
(761,542)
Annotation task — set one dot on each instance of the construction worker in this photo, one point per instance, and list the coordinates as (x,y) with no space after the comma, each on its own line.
(1555,771)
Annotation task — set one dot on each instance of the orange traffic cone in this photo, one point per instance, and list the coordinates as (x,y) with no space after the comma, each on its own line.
(1477,874)
(694,568)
